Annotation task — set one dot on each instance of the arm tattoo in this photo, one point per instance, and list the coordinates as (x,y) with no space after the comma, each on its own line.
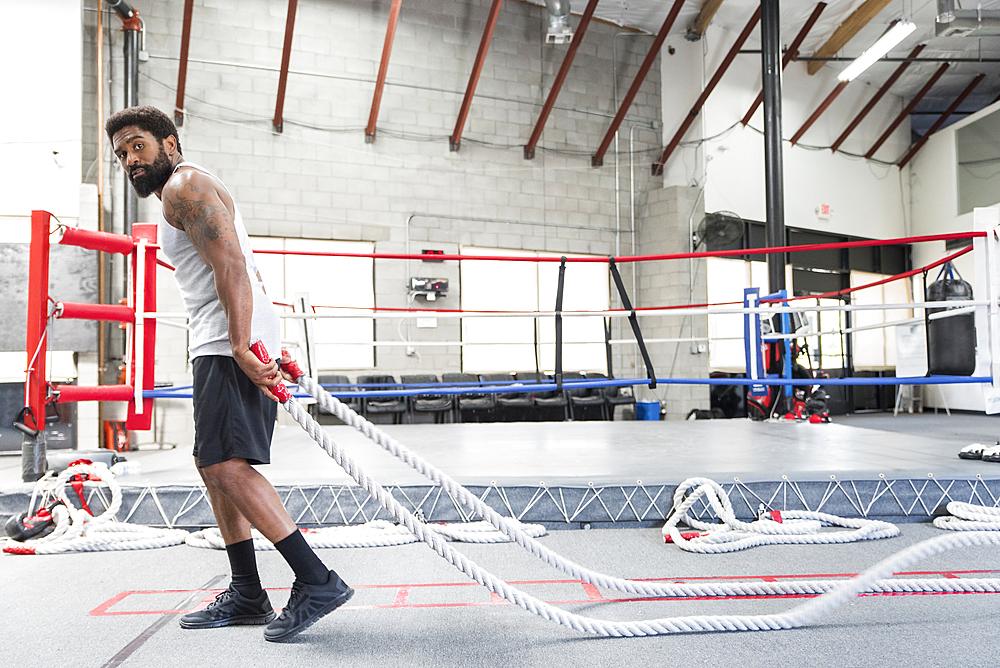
(203,221)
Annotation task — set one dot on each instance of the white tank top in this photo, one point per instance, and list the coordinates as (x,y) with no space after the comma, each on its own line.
(209,328)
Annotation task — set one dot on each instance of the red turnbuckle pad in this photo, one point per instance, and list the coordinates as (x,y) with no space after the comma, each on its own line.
(279,390)
(291,367)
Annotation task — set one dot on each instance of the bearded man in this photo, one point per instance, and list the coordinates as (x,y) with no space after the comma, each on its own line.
(202,234)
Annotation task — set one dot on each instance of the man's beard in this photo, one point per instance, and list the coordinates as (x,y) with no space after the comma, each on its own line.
(154,176)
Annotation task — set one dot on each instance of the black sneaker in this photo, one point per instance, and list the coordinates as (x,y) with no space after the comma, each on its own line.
(306,605)
(230,608)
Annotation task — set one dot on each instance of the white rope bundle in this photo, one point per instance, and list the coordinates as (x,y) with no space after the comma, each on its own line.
(872,580)
(76,530)
(377,533)
(798,527)
(969,517)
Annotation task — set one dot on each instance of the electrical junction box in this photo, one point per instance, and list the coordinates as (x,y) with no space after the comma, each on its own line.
(431,288)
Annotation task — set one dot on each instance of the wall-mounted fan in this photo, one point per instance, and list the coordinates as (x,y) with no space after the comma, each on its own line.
(718,231)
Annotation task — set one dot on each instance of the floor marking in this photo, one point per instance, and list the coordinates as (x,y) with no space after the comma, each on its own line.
(402,594)
(165,616)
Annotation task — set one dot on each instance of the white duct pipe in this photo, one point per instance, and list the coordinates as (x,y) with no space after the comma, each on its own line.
(559,30)
(965,22)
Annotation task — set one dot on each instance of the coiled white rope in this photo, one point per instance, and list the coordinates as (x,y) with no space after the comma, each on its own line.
(76,530)
(798,527)
(969,517)
(872,580)
(377,533)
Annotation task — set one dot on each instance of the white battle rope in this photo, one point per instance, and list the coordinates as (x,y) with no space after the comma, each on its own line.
(873,580)
(797,527)
(77,530)
(377,533)
(969,517)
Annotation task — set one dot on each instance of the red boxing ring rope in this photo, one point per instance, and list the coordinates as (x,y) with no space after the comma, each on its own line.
(866,243)
(825,295)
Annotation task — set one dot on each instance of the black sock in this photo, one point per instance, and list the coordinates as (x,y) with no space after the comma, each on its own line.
(243,561)
(307,566)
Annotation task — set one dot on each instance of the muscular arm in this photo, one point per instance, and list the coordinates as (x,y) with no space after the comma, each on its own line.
(191,201)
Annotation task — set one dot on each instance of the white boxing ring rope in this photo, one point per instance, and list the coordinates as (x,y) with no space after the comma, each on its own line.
(872,580)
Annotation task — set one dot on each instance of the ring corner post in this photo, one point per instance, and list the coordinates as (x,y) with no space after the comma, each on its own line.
(752,343)
(33,447)
(140,410)
(987,257)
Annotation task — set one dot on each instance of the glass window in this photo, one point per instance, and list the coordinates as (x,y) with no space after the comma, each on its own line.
(507,343)
(331,284)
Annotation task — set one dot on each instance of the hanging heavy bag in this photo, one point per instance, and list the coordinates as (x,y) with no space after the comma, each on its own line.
(951,342)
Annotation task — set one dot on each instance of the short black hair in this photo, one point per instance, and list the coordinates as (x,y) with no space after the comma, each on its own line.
(150,119)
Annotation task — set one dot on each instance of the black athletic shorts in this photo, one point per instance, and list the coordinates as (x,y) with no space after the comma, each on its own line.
(233,419)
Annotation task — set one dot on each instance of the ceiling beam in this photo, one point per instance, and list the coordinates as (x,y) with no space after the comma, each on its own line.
(477,68)
(705,16)
(841,85)
(550,101)
(790,54)
(878,96)
(182,66)
(700,102)
(286,54)
(847,30)
(390,35)
(597,159)
(940,121)
(906,110)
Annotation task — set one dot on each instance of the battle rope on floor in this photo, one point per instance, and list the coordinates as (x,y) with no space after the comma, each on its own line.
(969,517)
(76,530)
(658,589)
(377,533)
(789,527)
(801,615)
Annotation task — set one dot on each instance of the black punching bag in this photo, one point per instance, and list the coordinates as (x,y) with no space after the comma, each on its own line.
(951,342)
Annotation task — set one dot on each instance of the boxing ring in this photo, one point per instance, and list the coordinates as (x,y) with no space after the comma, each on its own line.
(696,502)
(614,485)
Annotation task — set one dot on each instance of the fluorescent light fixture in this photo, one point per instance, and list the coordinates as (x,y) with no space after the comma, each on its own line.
(896,33)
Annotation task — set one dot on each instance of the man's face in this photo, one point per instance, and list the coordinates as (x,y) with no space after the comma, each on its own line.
(143,158)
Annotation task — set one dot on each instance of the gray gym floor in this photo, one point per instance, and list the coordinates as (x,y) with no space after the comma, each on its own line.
(413,609)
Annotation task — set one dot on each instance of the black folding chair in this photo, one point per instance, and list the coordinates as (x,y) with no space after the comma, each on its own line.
(478,404)
(549,401)
(511,406)
(393,406)
(614,395)
(438,405)
(583,400)
(354,403)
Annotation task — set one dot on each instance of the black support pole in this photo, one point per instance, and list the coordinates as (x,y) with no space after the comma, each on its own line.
(770,37)
(130,50)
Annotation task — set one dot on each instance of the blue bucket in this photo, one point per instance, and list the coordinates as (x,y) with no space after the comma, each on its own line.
(647,410)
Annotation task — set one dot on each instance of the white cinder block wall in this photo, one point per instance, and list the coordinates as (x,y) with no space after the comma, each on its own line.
(319,179)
